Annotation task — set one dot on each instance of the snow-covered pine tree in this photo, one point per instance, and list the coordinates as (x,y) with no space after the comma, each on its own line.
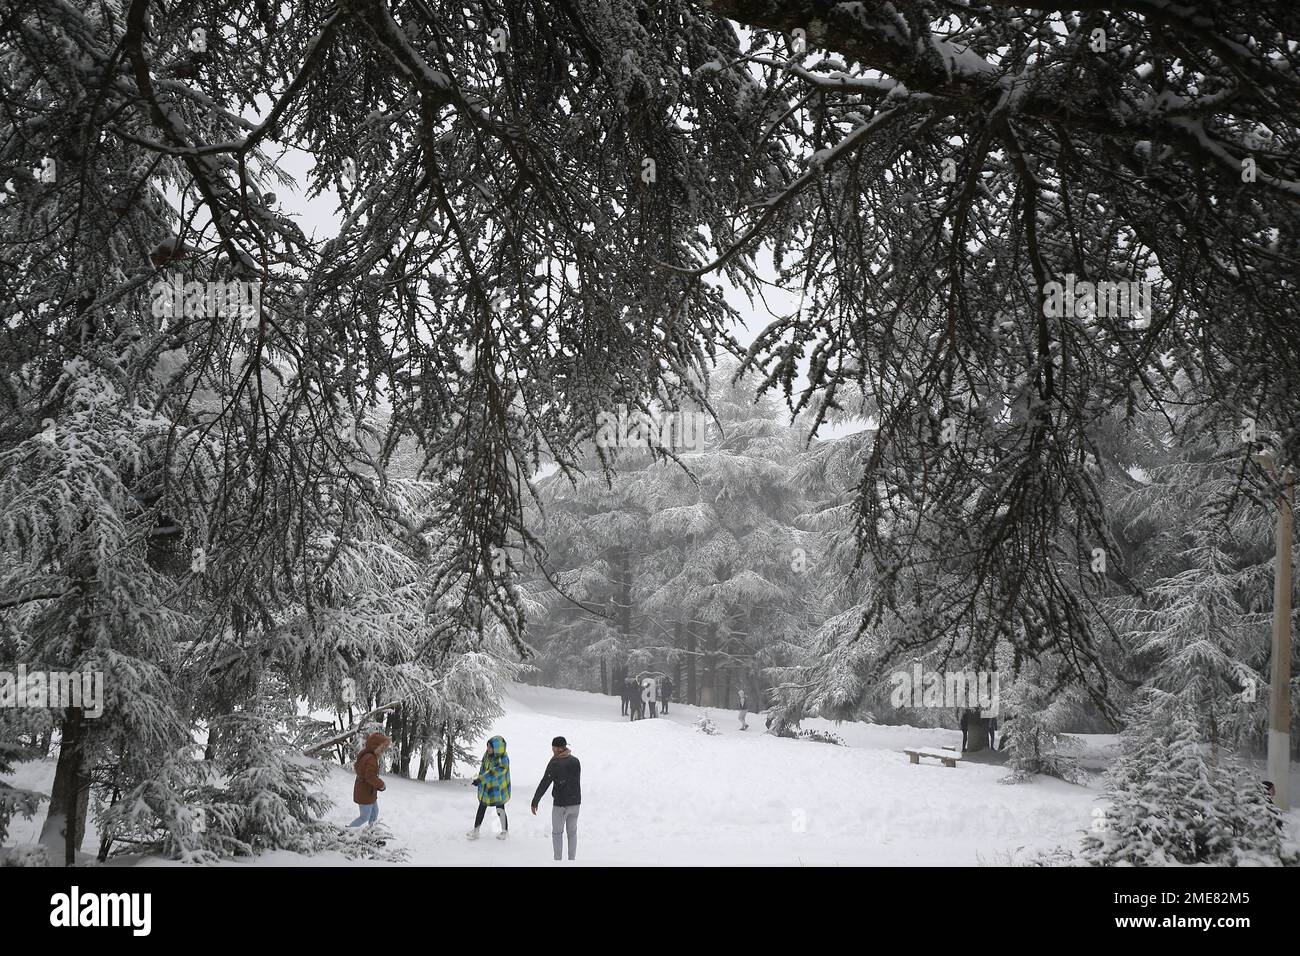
(1199,627)
(469,685)
(695,564)
(835,677)
(359,633)
(1035,718)
(259,794)
(594,531)
(267,800)
(89,597)
(832,670)
(1194,630)
(1170,803)
(729,562)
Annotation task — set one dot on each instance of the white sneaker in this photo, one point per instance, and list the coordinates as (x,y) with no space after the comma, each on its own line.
(472,835)
(503,834)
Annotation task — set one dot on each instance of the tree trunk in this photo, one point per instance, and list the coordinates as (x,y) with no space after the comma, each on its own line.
(1214,739)
(65,823)
(406,731)
(106,839)
(711,664)
(210,750)
(447,754)
(677,658)
(604,677)
(692,697)
(625,596)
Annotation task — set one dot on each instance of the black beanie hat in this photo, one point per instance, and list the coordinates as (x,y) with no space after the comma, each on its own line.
(559,742)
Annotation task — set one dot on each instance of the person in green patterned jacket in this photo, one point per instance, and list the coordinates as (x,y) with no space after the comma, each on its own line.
(493,783)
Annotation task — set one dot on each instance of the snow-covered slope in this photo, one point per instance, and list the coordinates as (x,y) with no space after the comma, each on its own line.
(660,792)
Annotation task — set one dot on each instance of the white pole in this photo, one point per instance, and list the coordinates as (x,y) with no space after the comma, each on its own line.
(1279,724)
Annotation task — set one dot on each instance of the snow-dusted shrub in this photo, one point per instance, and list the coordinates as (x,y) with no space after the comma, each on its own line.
(13,801)
(1035,730)
(269,800)
(705,725)
(259,794)
(1056,856)
(821,736)
(1171,804)
(14,724)
(1038,750)
(25,856)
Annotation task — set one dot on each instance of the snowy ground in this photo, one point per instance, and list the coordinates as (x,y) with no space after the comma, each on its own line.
(659,792)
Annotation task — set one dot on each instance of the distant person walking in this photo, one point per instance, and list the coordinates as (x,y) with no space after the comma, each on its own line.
(565,773)
(648,692)
(632,697)
(365,792)
(967,719)
(993,731)
(493,783)
(665,694)
(744,710)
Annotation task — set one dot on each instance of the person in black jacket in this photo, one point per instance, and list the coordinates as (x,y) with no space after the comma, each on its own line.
(631,697)
(619,683)
(565,772)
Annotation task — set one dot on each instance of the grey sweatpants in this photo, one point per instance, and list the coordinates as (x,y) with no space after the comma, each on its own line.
(565,818)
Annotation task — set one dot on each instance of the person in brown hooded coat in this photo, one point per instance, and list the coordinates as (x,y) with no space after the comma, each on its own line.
(365,792)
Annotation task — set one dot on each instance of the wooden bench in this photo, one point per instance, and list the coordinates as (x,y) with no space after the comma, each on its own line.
(949,757)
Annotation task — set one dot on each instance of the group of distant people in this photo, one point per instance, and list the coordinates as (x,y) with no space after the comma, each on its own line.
(654,694)
(563,777)
(647,693)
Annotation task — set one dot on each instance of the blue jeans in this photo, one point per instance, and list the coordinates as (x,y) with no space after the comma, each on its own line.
(369,814)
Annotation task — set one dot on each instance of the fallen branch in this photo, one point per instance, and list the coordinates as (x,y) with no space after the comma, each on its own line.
(346,734)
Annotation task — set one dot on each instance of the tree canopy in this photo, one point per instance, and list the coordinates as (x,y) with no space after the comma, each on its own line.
(541,206)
